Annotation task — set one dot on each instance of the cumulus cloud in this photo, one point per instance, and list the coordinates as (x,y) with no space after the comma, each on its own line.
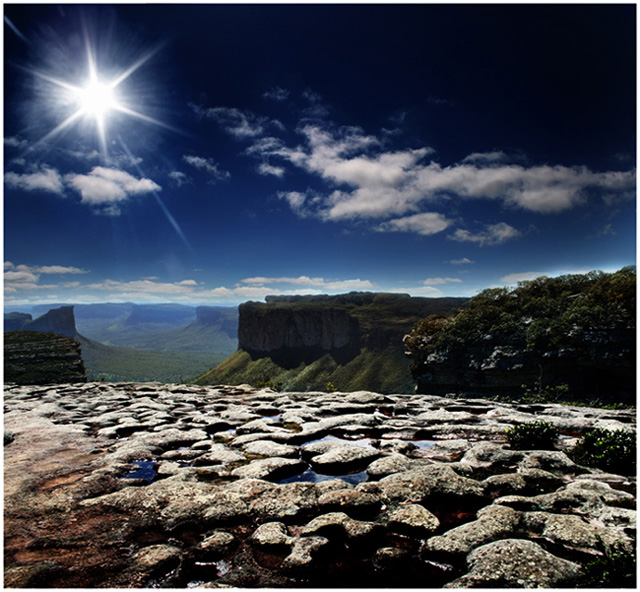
(265,168)
(46,179)
(493,234)
(208,165)
(366,180)
(104,188)
(20,278)
(427,223)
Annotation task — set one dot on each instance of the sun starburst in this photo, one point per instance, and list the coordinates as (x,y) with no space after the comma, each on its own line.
(95,99)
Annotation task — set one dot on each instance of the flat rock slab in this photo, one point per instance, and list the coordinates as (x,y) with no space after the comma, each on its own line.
(253,488)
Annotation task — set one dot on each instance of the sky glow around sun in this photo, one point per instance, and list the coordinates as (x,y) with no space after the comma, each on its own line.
(94,99)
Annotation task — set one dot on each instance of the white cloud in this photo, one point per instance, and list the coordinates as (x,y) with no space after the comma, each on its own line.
(485,157)
(21,278)
(265,168)
(238,123)
(296,201)
(15,142)
(463,261)
(179,177)
(366,180)
(105,187)
(185,287)
(207,164)
(427,223)
(494,234)
(46,179)
(439,281)
(276,94)
(317,282)
(514,278)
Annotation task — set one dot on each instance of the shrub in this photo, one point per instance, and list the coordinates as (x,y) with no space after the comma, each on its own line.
(616,568)
(609,450)
(538,435)
(330,388)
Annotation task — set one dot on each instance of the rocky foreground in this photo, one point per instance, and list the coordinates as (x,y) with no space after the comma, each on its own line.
(150,485)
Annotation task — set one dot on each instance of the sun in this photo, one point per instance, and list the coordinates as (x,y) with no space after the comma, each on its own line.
(96,98)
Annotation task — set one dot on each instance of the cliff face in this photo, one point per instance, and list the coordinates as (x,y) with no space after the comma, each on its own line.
(604,367)
(32,357)
(303,342)
(58,320)
(294,335)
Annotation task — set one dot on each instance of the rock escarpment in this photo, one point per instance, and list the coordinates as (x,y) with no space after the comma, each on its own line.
(303,342)
(497,366)
(149,485)
(58,320)
(32,357)
(292,335)
(574,333)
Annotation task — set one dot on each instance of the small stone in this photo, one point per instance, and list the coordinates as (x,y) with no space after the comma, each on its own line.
(272,534)
(413,520)
(304,552)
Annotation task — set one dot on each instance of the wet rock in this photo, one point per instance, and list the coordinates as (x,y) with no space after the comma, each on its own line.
(271,469)
(338,525)
(486,458)
(273,535)
(215,546)
(286,502)
(413,520)
(570,530)
(524,482)
(304,553)
(350,501)
(343,459)
(493,523)
(268,448)
(387,465)
(516,563)
(552,461)
(156,560)
(432,481)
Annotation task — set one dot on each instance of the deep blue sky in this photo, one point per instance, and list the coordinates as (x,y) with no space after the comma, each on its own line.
(252,150)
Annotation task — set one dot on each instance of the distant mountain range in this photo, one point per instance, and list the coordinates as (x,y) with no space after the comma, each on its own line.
(158,342)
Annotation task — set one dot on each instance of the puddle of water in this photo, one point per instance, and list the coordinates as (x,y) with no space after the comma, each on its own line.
(310,476)
(146,471)
(424,444)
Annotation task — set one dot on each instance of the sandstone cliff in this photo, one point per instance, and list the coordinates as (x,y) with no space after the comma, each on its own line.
(352,340)
(58,320)
(33,357)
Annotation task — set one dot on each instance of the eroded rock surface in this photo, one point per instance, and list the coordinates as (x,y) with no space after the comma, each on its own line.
(147,485)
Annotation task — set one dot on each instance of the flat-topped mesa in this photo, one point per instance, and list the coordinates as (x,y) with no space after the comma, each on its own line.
(295,334)
(60,321)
